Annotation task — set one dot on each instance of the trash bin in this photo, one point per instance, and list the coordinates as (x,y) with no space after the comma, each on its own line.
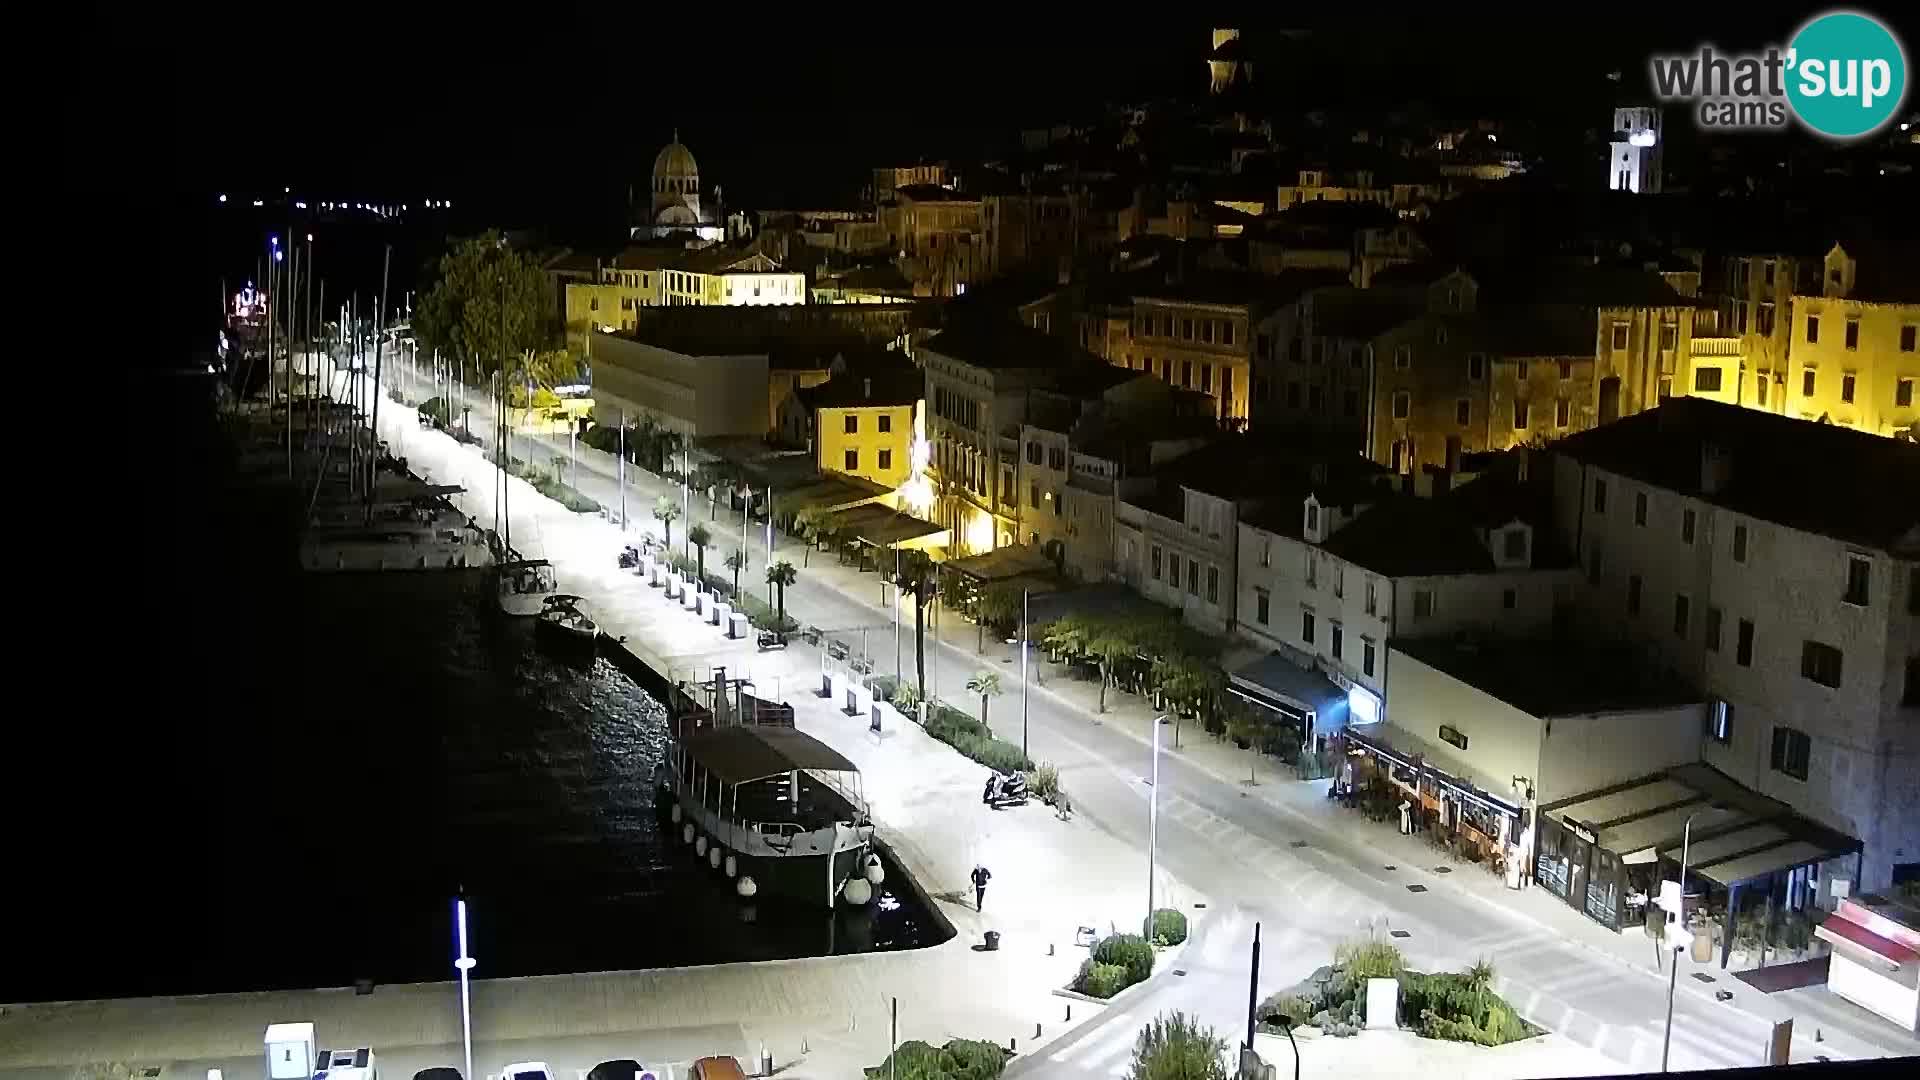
(993,940)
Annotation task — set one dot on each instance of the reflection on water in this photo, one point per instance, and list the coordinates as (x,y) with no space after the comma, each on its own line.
(399,740)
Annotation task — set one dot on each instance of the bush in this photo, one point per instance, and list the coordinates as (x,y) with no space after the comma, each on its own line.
(435,409)
(960,1059)
(1044,781)
(1130,951)
(1288,1005)
(1096,979)
(1174,1046)
(1367,959)
(1167,926)
(906,698)
(1457,1006)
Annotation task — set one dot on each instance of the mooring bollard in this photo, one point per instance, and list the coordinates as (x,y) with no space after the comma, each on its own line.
(1069,1018)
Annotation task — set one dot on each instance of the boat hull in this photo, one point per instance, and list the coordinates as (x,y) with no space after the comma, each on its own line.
(809,874)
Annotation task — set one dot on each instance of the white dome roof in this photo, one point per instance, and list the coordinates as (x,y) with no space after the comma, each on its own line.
(675,162)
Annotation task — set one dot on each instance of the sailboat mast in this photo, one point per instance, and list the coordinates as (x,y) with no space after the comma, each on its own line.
(373,390)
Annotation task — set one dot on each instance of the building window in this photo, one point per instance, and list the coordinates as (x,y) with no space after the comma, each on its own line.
(1853,333)
(1903,394)
(1366,657)
(1261,606)
(1686,527)
(1339,638)
(1402,357)
(1476,365)
(1515,543)
(1193,576)
(1743,644)
(1213,585)
(1846,388)
(852,423)
(1720,722)
(1680,615)
(1712,634)
(1057,459)
(1706,380)
(1633,594)
(1760,389)
(1226,333)
(1859,569)
(1599,496)
(886,460)
(1509,599)
(1462,411)
(1422,603)
(1640,508)
(1186,329)
(1156,562)
(1762,319)
(1306,627)
(1372,604)
(853,461)
(1619,335)
(1791,749)
(1059,503)
(1033,494)
(1402,403)
(886,423)
(1813,329)
(1807,382)
(1173,570)
(1206,378)
(1669,336)
(1566,370)
(1562,412)
(1519,414)
(1907,334)
(1739,543)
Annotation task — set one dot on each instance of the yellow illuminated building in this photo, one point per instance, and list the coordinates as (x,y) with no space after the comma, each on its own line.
(671,277)
(864,423)
(1853,359)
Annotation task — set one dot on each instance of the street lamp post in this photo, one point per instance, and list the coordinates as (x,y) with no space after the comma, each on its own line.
(1153,824)
(465,963)
(1680,920)
(1024,613)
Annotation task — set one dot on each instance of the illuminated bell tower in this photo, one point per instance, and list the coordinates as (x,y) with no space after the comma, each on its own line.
(1633,157)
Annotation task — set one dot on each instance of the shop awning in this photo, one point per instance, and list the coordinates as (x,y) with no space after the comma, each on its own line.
(825,492)
(1738,835)
(881,526)
(1003,564)
(1276,682)
(1838,928)
(1402,747)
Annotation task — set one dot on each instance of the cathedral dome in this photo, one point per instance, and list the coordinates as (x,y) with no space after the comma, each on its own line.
(675,162)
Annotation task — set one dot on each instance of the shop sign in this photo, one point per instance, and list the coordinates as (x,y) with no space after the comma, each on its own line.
(1581,831)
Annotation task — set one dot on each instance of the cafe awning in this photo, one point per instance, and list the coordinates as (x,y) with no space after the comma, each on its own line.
(1737,836)
(826,492)
(1279,683)
(1405,748)
(1003,564)
(882,526)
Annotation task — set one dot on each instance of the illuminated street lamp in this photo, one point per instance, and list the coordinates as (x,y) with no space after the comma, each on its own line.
(1153,823)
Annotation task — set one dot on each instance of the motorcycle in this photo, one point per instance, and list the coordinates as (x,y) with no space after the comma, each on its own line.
(1005,791)
(772,639)
(629,557)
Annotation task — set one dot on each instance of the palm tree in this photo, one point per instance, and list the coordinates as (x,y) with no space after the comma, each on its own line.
(780,575)
(986,683)
(737,562)
(916,574)
(807,524)
(699,537)
(665,510)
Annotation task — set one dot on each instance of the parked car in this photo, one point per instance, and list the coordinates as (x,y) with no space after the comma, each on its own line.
(439,1072)
(619,1069)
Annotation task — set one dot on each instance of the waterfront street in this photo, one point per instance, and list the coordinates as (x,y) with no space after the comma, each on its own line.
(1274,850)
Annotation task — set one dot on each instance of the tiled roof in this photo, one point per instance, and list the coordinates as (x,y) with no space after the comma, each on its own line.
(1242,289)
(1819,478)
(858,388)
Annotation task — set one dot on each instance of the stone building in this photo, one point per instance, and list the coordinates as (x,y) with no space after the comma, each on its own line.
(1776,564)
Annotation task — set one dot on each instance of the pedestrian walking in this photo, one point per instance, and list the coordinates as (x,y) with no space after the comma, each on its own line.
(980,878)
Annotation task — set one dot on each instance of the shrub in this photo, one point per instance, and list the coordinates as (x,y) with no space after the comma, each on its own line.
(435,409)
(1044,781)
(906,698)
(1457,1007)
(1288,1005)
(1167,926)
(1177,1047)
(960,1059)
(1096,979)
(1367,959)
(1130,951)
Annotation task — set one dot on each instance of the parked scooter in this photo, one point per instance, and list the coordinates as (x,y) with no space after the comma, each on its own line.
(1005,791)
(629,557)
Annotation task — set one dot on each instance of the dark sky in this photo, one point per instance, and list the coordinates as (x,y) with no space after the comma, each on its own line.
(542,98)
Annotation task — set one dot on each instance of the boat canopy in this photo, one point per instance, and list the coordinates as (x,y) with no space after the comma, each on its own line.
(745,752)
(562,600)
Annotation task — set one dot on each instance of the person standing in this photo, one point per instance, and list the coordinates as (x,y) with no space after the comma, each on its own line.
(980,878)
